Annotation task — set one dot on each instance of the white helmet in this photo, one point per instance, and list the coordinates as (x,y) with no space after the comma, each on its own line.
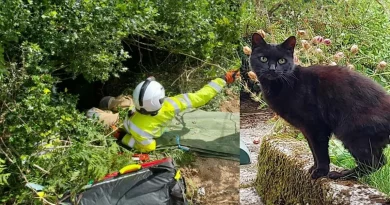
(148,96)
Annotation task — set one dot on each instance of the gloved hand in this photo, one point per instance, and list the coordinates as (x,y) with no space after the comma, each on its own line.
(231,76)
(104,103)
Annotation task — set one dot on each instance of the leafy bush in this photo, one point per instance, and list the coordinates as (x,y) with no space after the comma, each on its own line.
(44,139)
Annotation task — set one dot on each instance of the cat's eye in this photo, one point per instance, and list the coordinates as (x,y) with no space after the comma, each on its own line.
(282,61)
(263,59)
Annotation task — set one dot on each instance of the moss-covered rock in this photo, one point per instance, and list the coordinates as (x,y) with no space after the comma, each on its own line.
(283,178)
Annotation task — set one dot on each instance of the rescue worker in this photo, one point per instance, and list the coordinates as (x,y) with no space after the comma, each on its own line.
(153,111)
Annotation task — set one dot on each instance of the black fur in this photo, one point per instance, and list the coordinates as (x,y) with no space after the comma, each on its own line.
(321,100)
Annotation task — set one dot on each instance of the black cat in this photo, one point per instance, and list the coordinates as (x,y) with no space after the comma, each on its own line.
(320,100)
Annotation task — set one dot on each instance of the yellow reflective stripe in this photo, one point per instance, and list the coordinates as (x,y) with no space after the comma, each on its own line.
(126,126)
(128,140)
(215,86)
(174,104)
(129,125)
(132,108)
(147,147)
(131,142)
(146,142)
(188,101)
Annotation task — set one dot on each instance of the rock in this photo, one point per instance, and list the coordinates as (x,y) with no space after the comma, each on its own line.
(283,178)
(201,191)
(248,196)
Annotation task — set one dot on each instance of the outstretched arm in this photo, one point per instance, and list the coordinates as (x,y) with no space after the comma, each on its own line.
(182,102)
(200,97)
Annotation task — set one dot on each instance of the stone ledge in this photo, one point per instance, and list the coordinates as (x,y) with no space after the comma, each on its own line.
(282,178)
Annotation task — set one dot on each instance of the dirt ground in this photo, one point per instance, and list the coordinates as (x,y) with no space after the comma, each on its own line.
(218,179)
(232,104)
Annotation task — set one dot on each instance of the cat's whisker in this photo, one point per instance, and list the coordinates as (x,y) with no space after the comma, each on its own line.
(287,80)
(291,75)
(290,80)
(284,78)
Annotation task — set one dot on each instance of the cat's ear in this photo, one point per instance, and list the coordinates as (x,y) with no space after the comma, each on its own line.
(289,43)
(257,40)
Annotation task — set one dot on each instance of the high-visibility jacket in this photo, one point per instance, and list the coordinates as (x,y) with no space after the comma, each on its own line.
(142,129)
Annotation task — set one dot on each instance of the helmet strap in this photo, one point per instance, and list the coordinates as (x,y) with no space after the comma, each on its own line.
(144,112)
(142,92)
(141,96)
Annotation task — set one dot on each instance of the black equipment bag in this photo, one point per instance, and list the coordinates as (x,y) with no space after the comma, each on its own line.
(154,185)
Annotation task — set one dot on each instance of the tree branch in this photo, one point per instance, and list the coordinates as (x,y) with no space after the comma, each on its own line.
(40,168)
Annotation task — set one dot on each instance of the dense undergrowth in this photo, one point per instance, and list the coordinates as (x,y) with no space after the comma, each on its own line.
(44,139)
(354,33)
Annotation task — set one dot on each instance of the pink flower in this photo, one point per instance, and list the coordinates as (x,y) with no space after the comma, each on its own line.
(338,56)
(252,75)
(317,39)
(327,41)
(296,60)
(305,44)
(247,50)
(354,49)
(261,32)
(301,32)
(318,51)
(381,65)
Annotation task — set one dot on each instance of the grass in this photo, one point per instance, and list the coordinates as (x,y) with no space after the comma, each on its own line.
(341,157)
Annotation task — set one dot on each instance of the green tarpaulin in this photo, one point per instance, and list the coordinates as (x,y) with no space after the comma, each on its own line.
(210,134)
(244,154)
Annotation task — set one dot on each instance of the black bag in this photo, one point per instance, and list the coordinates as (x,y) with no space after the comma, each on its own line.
(149,186)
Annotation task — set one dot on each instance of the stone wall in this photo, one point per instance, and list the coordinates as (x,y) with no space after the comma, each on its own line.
(283,178)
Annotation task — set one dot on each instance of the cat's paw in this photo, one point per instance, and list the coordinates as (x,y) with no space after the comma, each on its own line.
(335,175)
(312,168)
(344,175)
(317,173)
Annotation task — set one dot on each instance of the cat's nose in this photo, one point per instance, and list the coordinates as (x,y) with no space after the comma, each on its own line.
(272,67)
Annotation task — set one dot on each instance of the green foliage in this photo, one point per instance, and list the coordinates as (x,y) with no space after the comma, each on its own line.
(380,178)
(44,139)
(48,141)
(201,28)
(341,157)
(3,175)
(84,37)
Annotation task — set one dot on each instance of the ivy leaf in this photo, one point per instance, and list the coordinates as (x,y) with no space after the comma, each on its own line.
(46,91)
